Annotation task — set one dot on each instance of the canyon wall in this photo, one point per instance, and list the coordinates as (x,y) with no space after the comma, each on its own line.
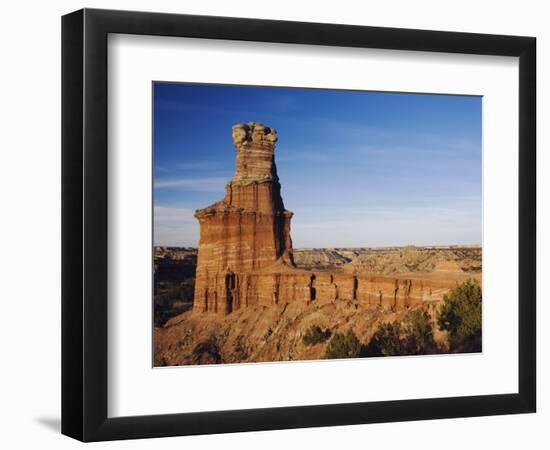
(245,249)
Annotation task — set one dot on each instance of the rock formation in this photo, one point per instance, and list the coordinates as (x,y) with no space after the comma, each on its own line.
(255,297)
(246,231)
(245,250)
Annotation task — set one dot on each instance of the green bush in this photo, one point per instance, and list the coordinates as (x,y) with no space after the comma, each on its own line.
(386,341)
(343,345)
(172,298)
(412,336)
(168,292)
(460,315)
(419,338)
(315,335)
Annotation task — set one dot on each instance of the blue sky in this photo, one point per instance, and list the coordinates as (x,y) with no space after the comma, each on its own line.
(358,169)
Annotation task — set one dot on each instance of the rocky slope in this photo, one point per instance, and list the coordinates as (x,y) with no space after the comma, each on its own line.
(275,333)
(325,259)
(418,259)
(377,260)
(262,333)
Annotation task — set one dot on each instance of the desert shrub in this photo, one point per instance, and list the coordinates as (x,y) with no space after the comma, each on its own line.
(172,298)
(386,341)
(315,335)
(207,352)
(460,315)
(343,345)
(412,336)
(168,292)
(187,289)
(419,339)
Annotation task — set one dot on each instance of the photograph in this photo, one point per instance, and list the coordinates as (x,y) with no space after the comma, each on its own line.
(308,224)
(275,226)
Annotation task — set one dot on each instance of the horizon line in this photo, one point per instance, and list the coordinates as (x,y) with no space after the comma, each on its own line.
(353,247)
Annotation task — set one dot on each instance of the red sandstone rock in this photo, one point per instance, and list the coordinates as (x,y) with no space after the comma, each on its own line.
(245,249)
(246,231)
(263,303)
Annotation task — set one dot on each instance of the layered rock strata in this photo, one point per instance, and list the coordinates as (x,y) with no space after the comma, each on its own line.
(245,250)
(248,230)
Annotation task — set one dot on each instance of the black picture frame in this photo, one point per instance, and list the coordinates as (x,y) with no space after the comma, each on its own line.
(84,224)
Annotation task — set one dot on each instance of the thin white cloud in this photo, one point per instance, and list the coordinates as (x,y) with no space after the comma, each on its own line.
(308,156)
(387,225)
(439,227)
(197,165)
(393,138)
(206,184)
(175,226)
(167,214)
(400,151)
(188,165)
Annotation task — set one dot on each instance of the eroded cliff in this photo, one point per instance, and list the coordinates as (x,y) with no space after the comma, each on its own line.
(251,301)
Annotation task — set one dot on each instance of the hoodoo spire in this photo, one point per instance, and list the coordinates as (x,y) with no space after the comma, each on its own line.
(250,228)
(255,145)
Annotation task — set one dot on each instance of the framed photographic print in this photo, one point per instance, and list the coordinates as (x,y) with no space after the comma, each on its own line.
(273,224)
